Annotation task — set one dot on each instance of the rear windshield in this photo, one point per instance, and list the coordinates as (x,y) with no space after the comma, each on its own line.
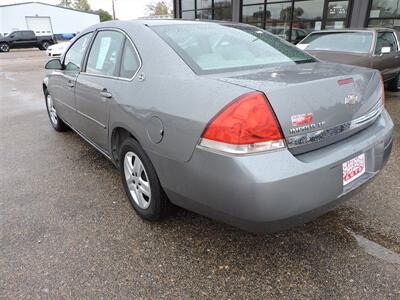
(213,48)
(339,41)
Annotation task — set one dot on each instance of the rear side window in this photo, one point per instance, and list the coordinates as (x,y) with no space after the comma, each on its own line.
(130,61)
(28,35)
(105,52)
(73,58)
(385,39)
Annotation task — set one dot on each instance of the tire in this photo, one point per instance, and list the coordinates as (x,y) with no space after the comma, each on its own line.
(44,45)
(55,120)
(138,175)
(4,47)
(394,85)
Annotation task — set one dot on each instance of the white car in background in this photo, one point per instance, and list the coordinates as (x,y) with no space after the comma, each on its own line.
(57,49)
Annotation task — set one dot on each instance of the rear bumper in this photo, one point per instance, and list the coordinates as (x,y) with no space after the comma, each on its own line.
(273,191)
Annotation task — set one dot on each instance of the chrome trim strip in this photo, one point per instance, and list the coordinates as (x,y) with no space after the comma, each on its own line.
(91,119)
(321,135)
(65,104)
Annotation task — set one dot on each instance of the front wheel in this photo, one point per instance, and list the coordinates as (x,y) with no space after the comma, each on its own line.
(55,121)
(4,47)
(394,85)
(141,183)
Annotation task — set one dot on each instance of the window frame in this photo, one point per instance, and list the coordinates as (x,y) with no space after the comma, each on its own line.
(84,55)
(119,59)
(376,41)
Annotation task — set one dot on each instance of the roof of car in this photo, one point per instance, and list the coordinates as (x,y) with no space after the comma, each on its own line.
(375,29)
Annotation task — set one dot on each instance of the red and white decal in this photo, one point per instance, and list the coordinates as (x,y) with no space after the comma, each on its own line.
(353,169)
(345,81)
(302,119)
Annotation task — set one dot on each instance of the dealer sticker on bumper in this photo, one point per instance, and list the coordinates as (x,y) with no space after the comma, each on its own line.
(353,169)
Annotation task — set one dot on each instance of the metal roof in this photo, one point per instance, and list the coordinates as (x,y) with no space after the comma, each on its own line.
(41,3)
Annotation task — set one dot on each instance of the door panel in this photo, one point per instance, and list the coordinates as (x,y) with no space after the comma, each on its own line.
(95,86)
(62,83)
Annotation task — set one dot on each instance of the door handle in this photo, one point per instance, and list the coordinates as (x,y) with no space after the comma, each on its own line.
(71,84)
(106,94)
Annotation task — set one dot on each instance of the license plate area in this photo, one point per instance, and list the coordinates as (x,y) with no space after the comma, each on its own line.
(353,169)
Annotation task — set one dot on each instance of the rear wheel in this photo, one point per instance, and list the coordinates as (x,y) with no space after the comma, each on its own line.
(4,47)
(55,121)
(44,45)
(141,183)
(394,85)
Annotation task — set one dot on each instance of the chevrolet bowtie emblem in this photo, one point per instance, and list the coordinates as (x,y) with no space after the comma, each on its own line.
(351,99)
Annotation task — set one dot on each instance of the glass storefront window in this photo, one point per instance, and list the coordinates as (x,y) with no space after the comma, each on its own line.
(295,19)
(309,10)
(201,4)
(338,9)
(253,14)
(187,4)
(385,9)
(385,13)
(207,9)
(204,14)
(224,14)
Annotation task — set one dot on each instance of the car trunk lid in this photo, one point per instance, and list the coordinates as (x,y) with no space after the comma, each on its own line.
(316,104)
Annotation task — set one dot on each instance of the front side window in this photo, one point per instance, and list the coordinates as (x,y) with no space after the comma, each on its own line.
(73,58)
(359,42)
(129,62)
(104,54)
(385,39)
(212,48)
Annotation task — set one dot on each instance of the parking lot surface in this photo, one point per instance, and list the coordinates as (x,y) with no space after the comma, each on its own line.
(67,229)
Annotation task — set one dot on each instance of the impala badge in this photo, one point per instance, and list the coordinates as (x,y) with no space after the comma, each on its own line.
(351,99)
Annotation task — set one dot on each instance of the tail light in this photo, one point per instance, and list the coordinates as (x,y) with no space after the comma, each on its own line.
(382,91)
(246,125)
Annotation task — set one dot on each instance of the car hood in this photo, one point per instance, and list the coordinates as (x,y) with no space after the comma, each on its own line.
(320,89)
(347,58)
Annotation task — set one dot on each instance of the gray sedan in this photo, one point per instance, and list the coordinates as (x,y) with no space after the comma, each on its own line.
(222,119)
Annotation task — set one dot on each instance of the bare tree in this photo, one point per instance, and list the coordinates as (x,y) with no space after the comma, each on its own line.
(158,9)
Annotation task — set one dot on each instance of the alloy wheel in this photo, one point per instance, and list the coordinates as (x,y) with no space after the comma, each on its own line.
(52,110)
(4,47)
(137,180)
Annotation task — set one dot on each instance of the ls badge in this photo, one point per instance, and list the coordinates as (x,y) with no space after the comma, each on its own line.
(351,99)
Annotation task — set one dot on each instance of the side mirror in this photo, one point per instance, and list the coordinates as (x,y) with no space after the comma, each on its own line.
(12,36)
(386,50)
(54,64)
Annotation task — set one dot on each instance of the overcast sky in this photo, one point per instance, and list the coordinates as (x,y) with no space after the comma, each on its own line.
(124,9)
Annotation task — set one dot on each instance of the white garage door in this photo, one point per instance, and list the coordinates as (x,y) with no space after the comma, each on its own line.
(40,25)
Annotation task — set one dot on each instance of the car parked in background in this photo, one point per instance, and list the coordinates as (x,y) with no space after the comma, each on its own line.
(223,119)
(376,48)
(25,39)
(283,32)
(57,49)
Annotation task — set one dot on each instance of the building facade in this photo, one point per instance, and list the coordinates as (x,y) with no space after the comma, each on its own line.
(44,19)
(292,16)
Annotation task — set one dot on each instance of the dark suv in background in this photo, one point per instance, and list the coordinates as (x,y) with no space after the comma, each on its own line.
(25,39)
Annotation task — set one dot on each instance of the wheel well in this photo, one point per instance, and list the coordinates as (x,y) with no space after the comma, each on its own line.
(119,134)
